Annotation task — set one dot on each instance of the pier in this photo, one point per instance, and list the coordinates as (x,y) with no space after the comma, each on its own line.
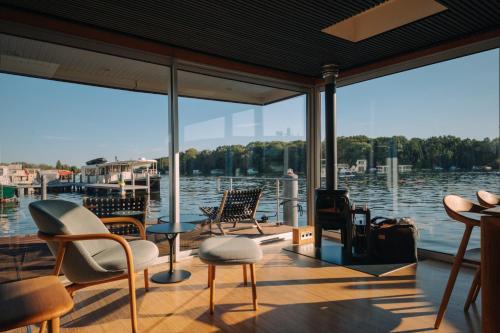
(60,187)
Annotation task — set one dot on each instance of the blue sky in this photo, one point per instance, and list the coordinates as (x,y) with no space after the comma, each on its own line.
(42,121)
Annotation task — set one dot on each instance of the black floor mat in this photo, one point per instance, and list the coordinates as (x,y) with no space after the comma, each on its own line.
(331,252)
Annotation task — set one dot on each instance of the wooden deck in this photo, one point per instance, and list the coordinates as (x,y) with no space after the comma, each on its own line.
(23,257)
(296,294)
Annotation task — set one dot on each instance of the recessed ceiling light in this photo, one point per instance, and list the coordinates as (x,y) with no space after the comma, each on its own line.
(389,15)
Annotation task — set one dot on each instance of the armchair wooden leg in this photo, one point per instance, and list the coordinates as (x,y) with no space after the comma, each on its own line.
(133,304)
(212,289)
(473,287)
(54,325)
(254,286)
(453,276)
(245,282)
(146,279)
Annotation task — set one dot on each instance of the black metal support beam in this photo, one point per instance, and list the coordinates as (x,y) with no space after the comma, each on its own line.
(330,73)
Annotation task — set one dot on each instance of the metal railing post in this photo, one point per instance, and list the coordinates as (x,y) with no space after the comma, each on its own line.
(277,200)
(218,184)
(230,183)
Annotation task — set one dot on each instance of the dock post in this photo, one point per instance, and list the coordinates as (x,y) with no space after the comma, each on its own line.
(44,187)
(148,190)
(291,194)
(132,181)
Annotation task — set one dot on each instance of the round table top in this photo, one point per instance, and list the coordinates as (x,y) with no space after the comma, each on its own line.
(127,213)
(170,228)
(184,219)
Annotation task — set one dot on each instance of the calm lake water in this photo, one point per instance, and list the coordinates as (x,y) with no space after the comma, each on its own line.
(417,195)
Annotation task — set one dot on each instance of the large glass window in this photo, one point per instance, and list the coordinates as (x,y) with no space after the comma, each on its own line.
(241,136)
(110,129)
(408,139)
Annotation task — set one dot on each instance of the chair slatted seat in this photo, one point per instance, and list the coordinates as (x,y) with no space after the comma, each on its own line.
(236,206)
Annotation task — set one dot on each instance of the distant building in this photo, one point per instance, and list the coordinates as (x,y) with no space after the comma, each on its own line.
(15,174)
(361,166)
(401,168)
(50,175)
(405,168)
(217,172)
(382,168)
(341,166)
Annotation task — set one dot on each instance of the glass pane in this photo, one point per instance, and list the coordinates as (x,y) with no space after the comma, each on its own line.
(85,140)
(244,137)
(408,139)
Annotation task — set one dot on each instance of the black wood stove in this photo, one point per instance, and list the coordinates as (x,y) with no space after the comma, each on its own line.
(332,206)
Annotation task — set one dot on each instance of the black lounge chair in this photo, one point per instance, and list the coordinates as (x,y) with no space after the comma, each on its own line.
(236,206)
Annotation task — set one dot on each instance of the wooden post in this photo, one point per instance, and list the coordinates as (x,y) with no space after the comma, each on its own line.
(132,181)
(490,273)
(291,197)
(44,187)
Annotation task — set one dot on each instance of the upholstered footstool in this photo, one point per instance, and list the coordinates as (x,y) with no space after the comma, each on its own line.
(230,250)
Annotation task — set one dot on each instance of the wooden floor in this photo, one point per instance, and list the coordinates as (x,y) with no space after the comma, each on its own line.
(296,294)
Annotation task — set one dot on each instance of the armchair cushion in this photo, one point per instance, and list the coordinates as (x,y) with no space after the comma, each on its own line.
(113,258)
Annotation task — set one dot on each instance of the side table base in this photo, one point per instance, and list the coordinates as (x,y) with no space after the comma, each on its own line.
(177,275)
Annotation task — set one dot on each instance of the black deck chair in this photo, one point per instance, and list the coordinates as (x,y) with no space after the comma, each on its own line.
(104,207)
(236,206)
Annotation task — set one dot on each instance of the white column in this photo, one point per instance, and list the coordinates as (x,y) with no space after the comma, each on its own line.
(313,140)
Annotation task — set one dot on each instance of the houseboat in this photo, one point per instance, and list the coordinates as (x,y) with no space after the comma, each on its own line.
(136,172)
(15,174)
(7,190)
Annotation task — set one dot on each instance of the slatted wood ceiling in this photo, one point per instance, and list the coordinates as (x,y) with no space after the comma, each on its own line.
(284,35)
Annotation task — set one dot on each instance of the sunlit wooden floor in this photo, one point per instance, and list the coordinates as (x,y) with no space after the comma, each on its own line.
(296,294)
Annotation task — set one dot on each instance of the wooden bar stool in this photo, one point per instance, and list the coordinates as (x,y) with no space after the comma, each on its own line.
(31,301)
(226,251)
(454,206)
(487,199)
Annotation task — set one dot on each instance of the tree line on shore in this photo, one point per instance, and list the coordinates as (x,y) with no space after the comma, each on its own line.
(44,166)
(446,152)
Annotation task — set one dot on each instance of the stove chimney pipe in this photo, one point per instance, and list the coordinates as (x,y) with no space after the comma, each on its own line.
(330,73)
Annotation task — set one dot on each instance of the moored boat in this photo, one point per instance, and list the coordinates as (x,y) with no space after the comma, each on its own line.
(136,172)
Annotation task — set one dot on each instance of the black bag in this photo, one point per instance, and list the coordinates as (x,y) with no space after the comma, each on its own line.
(393,241)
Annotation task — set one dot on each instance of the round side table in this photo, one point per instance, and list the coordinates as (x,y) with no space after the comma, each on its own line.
(171,230)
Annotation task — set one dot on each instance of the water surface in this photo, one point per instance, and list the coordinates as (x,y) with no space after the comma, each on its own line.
(417,194)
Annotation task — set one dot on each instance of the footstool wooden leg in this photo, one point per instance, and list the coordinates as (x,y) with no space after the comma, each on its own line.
(254,286)
(209,280)
(146,279)
(245,282)
(212,289)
